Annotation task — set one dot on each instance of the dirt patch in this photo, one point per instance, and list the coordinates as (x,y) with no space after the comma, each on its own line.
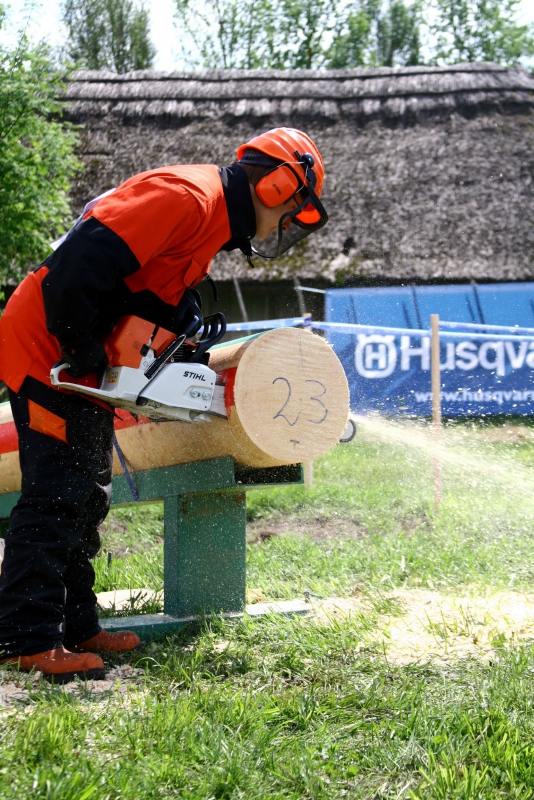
(19,687)
(428,626)
(119,539)
(319,529)
(506,433)
(113,527)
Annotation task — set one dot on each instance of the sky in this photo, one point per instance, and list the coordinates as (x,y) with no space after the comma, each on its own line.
(46,24)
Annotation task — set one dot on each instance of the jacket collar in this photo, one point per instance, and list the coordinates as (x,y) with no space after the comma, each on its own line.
(241,214)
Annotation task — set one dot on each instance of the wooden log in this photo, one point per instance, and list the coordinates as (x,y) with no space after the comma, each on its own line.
(9,457)
(287,401)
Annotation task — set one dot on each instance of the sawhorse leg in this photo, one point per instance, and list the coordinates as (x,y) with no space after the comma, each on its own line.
(204,562)
(205,541)
(205,553)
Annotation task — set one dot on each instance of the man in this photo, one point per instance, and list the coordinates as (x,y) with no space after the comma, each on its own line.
(138,250)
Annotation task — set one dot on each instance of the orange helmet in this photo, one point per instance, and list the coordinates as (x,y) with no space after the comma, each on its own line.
(287,145)
(296,172)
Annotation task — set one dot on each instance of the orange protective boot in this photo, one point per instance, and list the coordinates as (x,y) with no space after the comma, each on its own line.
(60,665)
(106,642)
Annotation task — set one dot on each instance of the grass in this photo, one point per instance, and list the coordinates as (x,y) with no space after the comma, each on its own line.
(378,493)
(290,708)
(278,709)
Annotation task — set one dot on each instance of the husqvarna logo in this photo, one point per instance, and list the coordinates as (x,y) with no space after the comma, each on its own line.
(376,355)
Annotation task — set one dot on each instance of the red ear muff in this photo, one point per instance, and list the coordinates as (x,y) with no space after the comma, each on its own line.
(277,186)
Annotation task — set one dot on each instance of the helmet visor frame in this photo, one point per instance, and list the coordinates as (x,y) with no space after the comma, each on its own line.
(295,225)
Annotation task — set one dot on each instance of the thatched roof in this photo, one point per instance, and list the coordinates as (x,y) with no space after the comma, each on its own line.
(430,171)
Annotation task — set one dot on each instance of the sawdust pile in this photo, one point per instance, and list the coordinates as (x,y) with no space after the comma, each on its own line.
(409,626)
(425,625)
(19,686)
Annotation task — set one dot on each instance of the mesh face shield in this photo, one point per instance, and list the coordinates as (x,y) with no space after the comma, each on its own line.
(294,226)
(305,212)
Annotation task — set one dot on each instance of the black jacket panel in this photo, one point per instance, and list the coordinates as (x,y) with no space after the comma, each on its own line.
(86,268)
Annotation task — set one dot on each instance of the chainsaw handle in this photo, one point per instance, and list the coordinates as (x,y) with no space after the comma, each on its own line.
(213,332)
(58,367)
(162,359)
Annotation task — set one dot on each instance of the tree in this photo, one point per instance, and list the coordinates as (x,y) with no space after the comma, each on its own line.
(354,36)
(226,34)
(300,34)
(257,34)
(367,33)
(398,35)
(36,158)
(304,26)
(480,30)
(294,34)
(109,34)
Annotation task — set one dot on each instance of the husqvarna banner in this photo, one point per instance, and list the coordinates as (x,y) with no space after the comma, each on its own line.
(388,370)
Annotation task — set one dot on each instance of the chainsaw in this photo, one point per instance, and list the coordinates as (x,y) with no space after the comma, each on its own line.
(156,373)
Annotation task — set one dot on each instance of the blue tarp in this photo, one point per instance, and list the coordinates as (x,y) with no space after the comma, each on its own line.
(457,303)
(507,303)
(393,307)
(411,306)
(389,370)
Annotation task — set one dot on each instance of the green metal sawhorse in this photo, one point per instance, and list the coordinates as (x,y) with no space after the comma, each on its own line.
(204,536)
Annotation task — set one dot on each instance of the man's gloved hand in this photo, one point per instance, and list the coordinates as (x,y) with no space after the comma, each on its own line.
(187,317)
(89,357)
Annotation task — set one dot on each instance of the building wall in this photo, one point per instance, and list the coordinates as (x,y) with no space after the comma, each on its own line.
(429,171)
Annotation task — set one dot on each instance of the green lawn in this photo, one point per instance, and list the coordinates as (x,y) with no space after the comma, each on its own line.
(377,494)
(299,708)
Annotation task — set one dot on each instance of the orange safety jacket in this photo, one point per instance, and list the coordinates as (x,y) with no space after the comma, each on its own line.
(136,252)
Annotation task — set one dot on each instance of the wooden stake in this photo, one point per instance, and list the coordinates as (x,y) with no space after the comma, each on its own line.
(436,406)
(240,300)
(300,296)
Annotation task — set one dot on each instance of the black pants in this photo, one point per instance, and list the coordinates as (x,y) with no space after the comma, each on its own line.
(46,583)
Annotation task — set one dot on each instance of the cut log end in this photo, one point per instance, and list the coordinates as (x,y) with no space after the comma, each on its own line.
(291,395)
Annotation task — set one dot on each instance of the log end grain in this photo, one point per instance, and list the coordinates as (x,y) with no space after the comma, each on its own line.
(290,394)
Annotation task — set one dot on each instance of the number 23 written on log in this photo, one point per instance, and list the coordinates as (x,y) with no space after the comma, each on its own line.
(322,411)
